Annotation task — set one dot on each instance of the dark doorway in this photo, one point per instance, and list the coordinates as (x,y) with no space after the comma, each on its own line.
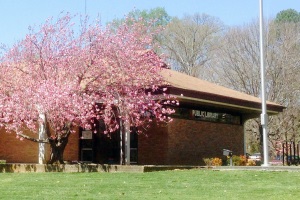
(105,148)
(99,147)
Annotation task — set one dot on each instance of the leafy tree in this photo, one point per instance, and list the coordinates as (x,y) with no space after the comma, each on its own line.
(155,19)
(152,18)
(59,80)
(289,15)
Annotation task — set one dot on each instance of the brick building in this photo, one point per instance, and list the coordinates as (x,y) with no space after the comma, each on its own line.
(210,118)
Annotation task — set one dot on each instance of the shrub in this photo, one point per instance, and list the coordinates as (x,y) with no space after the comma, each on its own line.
(212,161)
(251,163)
(207,161)
(258,162)
(242,161)
(235,160)
(2,161)
(216,162)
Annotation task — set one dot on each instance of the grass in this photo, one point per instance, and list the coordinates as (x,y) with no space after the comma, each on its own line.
(186,184)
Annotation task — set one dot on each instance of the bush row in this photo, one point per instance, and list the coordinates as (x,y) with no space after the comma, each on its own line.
(236,161)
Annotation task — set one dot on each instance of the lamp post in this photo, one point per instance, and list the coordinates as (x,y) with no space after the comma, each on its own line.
(263,116)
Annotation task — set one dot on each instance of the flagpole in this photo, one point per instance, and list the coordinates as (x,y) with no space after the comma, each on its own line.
(264,115)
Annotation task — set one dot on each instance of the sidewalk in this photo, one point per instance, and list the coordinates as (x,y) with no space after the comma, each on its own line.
(258,168)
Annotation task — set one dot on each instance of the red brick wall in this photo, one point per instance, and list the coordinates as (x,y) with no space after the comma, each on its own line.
(182,142)
(14,150)
(187,142)
(72,149)
(152,147)
(190,141)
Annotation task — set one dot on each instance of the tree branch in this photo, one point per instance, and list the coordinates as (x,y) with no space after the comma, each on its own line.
(33,139)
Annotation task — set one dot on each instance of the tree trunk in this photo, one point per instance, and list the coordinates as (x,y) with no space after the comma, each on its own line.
(42,135)
(57,143)
(57,146)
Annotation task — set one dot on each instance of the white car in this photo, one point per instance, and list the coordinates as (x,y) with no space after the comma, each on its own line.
(255,156)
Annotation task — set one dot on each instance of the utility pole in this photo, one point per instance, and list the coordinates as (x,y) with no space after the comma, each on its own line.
(264,115)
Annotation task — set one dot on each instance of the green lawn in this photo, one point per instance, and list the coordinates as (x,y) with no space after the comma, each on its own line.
(187,184)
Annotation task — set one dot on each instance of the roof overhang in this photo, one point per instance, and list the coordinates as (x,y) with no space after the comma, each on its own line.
(220,102)
(199,92)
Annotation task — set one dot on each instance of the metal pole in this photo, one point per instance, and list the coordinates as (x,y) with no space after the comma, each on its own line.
(294,151)
(298,156)
(127,144)
(263,116)
(283,157)
(121,142)
(287,152)
(290,156)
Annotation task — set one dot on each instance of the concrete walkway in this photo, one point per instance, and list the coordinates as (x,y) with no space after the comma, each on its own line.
(260,168)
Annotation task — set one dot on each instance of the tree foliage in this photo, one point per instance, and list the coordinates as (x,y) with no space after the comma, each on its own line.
(289,15)
(75,80)
(152,18)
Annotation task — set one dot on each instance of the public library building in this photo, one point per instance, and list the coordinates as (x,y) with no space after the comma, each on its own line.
(210,118)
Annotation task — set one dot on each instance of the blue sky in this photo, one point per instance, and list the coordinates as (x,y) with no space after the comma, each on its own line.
(17,15)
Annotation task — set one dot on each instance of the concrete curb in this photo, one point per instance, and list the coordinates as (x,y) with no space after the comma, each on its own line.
(27,168)
(84,167)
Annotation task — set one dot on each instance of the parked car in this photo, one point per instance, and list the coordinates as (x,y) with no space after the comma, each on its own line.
(255,156)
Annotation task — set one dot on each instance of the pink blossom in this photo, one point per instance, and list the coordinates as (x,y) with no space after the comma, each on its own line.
(99,74)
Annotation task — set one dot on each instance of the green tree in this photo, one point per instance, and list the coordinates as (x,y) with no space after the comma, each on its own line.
(289,15)
(154,17)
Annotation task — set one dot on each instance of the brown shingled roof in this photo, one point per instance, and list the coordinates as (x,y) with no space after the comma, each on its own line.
(188,87)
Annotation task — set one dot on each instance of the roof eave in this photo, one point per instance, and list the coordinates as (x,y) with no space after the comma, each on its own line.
(214,99)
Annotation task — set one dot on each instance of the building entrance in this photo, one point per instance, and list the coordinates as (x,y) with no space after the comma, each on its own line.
(106,148)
